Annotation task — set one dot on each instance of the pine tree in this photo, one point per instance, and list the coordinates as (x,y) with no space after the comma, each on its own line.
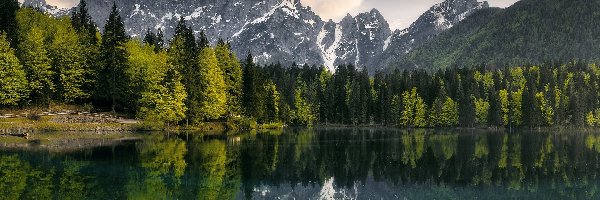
(84,24)
(150,37)
(202,41)
(160,41)
(251,82)
(13,83)
(212,97)
(112,82)
(183,56)
(37,64)
(8,20)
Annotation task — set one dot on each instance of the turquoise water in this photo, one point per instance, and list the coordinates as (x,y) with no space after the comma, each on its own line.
(314,164)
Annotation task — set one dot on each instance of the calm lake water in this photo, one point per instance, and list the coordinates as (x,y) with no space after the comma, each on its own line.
(314,164)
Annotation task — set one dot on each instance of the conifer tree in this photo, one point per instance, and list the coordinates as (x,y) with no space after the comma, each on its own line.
(13,83)
(183,56)
(160,41)
(8,20)
(250,99)
(150,37)
(112,81)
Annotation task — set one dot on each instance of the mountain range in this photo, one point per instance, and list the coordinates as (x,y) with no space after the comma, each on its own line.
(529,32)
(285,30)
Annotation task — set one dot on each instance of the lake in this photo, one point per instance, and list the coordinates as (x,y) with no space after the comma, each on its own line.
(335,163)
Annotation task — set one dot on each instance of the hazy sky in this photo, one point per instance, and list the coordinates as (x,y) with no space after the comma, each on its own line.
(399,13)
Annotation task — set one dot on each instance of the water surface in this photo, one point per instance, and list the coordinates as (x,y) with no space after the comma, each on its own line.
(312,164)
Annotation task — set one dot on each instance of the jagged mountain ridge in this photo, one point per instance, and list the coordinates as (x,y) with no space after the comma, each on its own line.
(284,30)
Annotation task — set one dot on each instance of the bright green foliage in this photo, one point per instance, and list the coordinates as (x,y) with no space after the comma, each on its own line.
(13,83)
(504,106)
(68,62)
(212,97)
(36,62)
(516,110)
(593,118)
(449,115)
(303,110)
(157,87)
(232,72)
(272,102)
(482,108)
(486,79)
(414,111)
(544,108)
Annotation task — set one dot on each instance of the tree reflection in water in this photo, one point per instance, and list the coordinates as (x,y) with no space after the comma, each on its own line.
(301,163)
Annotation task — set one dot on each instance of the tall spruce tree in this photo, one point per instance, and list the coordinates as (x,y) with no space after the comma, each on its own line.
(183,56)
(112,81)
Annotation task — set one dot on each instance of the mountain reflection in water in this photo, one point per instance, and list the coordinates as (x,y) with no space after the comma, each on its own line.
(315,164)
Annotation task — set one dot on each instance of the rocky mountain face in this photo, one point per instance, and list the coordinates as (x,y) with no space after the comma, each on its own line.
(284,30)
(42,5)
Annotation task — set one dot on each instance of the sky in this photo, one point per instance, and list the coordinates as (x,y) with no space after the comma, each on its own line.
(399,13)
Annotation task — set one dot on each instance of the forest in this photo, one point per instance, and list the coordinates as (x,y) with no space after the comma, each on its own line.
(186,80)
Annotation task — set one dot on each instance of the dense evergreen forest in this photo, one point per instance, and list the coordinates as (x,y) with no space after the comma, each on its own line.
(529,31)
(186,80)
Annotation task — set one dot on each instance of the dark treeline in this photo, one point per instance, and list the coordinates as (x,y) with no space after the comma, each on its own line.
(46,60)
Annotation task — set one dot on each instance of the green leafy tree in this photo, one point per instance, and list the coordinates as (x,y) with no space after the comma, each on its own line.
(449,114)
(90,38)
(232,72)
(303,110)
(482,108)
(37,64)
(213,96)
(159,93)
(413,114)
(13,82)
(272,102)
(68,62)
(544,108)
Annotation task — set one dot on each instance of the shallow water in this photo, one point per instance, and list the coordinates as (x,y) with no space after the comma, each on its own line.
(313,164)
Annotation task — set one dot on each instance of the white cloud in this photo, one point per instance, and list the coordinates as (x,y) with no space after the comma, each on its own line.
(332,9)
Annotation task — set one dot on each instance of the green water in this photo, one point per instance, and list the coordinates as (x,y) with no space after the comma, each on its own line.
(313,164)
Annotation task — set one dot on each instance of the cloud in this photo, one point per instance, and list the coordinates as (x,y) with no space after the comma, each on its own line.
(63,3)
(332,9)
